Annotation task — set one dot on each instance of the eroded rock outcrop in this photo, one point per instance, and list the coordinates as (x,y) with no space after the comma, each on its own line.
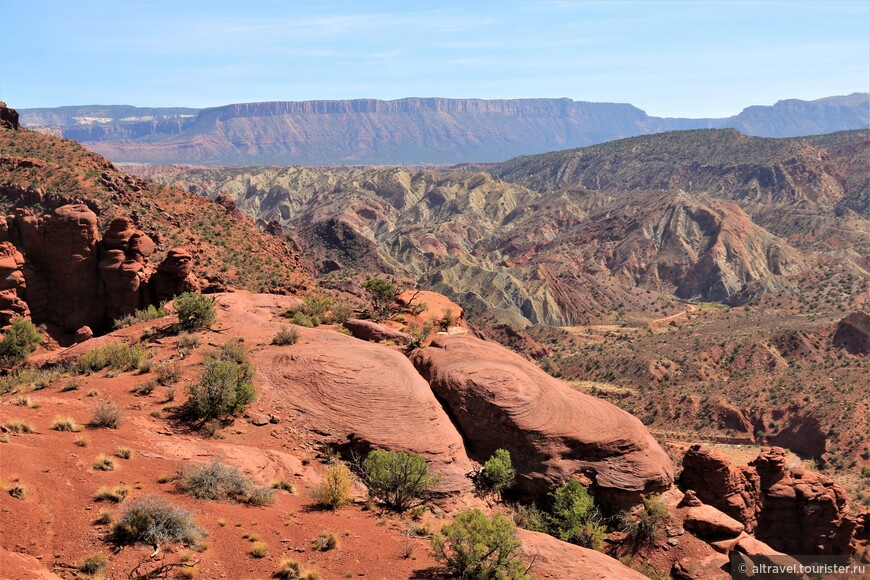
(802,512)
(8,117)
(374,332)
(59,270)
(363,395)
(175,275)
(734,490)
(12,284)
(500,400)
(794,511)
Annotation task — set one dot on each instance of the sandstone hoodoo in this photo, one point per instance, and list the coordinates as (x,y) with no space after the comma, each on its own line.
(60,271)
(500,400)
(792,510)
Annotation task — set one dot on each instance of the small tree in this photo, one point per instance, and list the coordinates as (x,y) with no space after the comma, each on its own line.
(498,472)
(19,340)
(195,311)
(397,478)
(382,295)
(574,517)
(475,546)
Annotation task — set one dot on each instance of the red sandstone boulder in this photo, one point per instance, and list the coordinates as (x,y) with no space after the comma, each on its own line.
(705,520)
(553,558)
(364,395)
(123,282)
(374,332)
(716,482)
(500,400)
(712,567)
(175,275)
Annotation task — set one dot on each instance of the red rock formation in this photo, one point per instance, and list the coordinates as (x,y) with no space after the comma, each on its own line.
(12,284)
(374,332)
(716,482)
(500,400)
(8,117)
(554,558)
(63,259)
(853,333)
(802,512)
(175,275)
(364,395)
(797,511)
(58,270)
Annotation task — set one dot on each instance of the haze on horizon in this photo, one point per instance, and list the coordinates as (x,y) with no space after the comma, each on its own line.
(671,59)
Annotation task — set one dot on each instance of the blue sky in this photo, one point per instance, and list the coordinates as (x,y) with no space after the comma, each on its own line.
(688,58)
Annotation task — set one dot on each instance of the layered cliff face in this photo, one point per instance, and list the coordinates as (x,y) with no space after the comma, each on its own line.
(412,130)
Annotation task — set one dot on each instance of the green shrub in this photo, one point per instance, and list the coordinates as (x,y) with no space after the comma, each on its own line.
(340,312)
(645,528)
(168,373)
(18,341)
(93,564)
(498,472)
(154,521)
(146,314)
(286,336)
(214,481)
(397,478)
(226,387)
(293,570)
(418,333)
(333,491)
(530,518)
(315,305)
(305,320)
(117,356)
(195,311)
(382,296)
(312,311)
(477,547)
(261,495)
(574,517)
(106,415)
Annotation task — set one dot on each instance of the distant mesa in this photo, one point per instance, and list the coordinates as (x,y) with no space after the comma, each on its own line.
(403,131)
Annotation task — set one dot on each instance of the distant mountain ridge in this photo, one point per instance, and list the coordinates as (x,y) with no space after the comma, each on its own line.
(404,131)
